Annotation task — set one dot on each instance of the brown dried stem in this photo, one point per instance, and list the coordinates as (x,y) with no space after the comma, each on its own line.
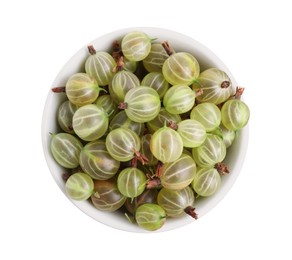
(91,49)
(123,105)
(169,50)
(118,56)
(222,168)
(141,157)
(238,92)
(173,125)
(59,89)
(225,84)
(191,211)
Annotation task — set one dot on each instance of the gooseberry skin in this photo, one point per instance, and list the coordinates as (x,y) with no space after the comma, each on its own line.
(107,103)
(122,143)
(130,65)
(121,83)
(174,202)
(235,114)
(181,68)
(156,81)
(163,118)
(100,65)
(90,122)
(66,150)
(79,186)
(214,90)
(82,89)
(155,59)
(208,114)
(227,135)
(179,99)
(212,151)
(136,46)
(206,181)
(65,116)
(96,161)
(178,174)
(121,120)
(147,196)
(143,104)
(166,145)
(106,196)
(145,150)
(150,216)
(192,132)
(131,182)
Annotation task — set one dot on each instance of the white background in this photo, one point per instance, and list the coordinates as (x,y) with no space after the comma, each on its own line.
(253,38)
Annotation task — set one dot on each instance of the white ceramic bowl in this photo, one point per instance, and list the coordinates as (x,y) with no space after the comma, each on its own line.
(206,58)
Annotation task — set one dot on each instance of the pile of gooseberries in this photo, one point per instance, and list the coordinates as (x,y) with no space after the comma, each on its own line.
(144,132)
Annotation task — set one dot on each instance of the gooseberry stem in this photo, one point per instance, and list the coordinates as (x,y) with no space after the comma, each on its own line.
(153,183)
(123,105)
(118,56)
(141,157)
(173,125)
(91,49)
(59,89)
(225,84)
(169,50)
(199,92)
(238,92)
(221,168)
(191,211)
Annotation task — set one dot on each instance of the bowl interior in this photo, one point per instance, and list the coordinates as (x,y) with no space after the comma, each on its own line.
(206,58)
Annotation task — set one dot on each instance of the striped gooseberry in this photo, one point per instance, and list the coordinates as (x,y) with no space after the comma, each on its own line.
(82,89)
(208,114)
(192,133)
(147,196)
(131,182)
(155,59)
(216,86)
(79,186)
(163,118)
(106,196)
(211,152)
(166,145)
(178,174)
(235,114)
(66,149)
(156,81)
(121,120)
(177,202)
(96,161)
(90,122)
(121,83)
(179,99)
(122,144)
(150,216)
(136,45)
(107,103)
(206,181)
(141,104)
(100,65)
(180,67)
(65,116)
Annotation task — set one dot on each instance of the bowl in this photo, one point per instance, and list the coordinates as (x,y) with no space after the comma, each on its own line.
(235,156)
